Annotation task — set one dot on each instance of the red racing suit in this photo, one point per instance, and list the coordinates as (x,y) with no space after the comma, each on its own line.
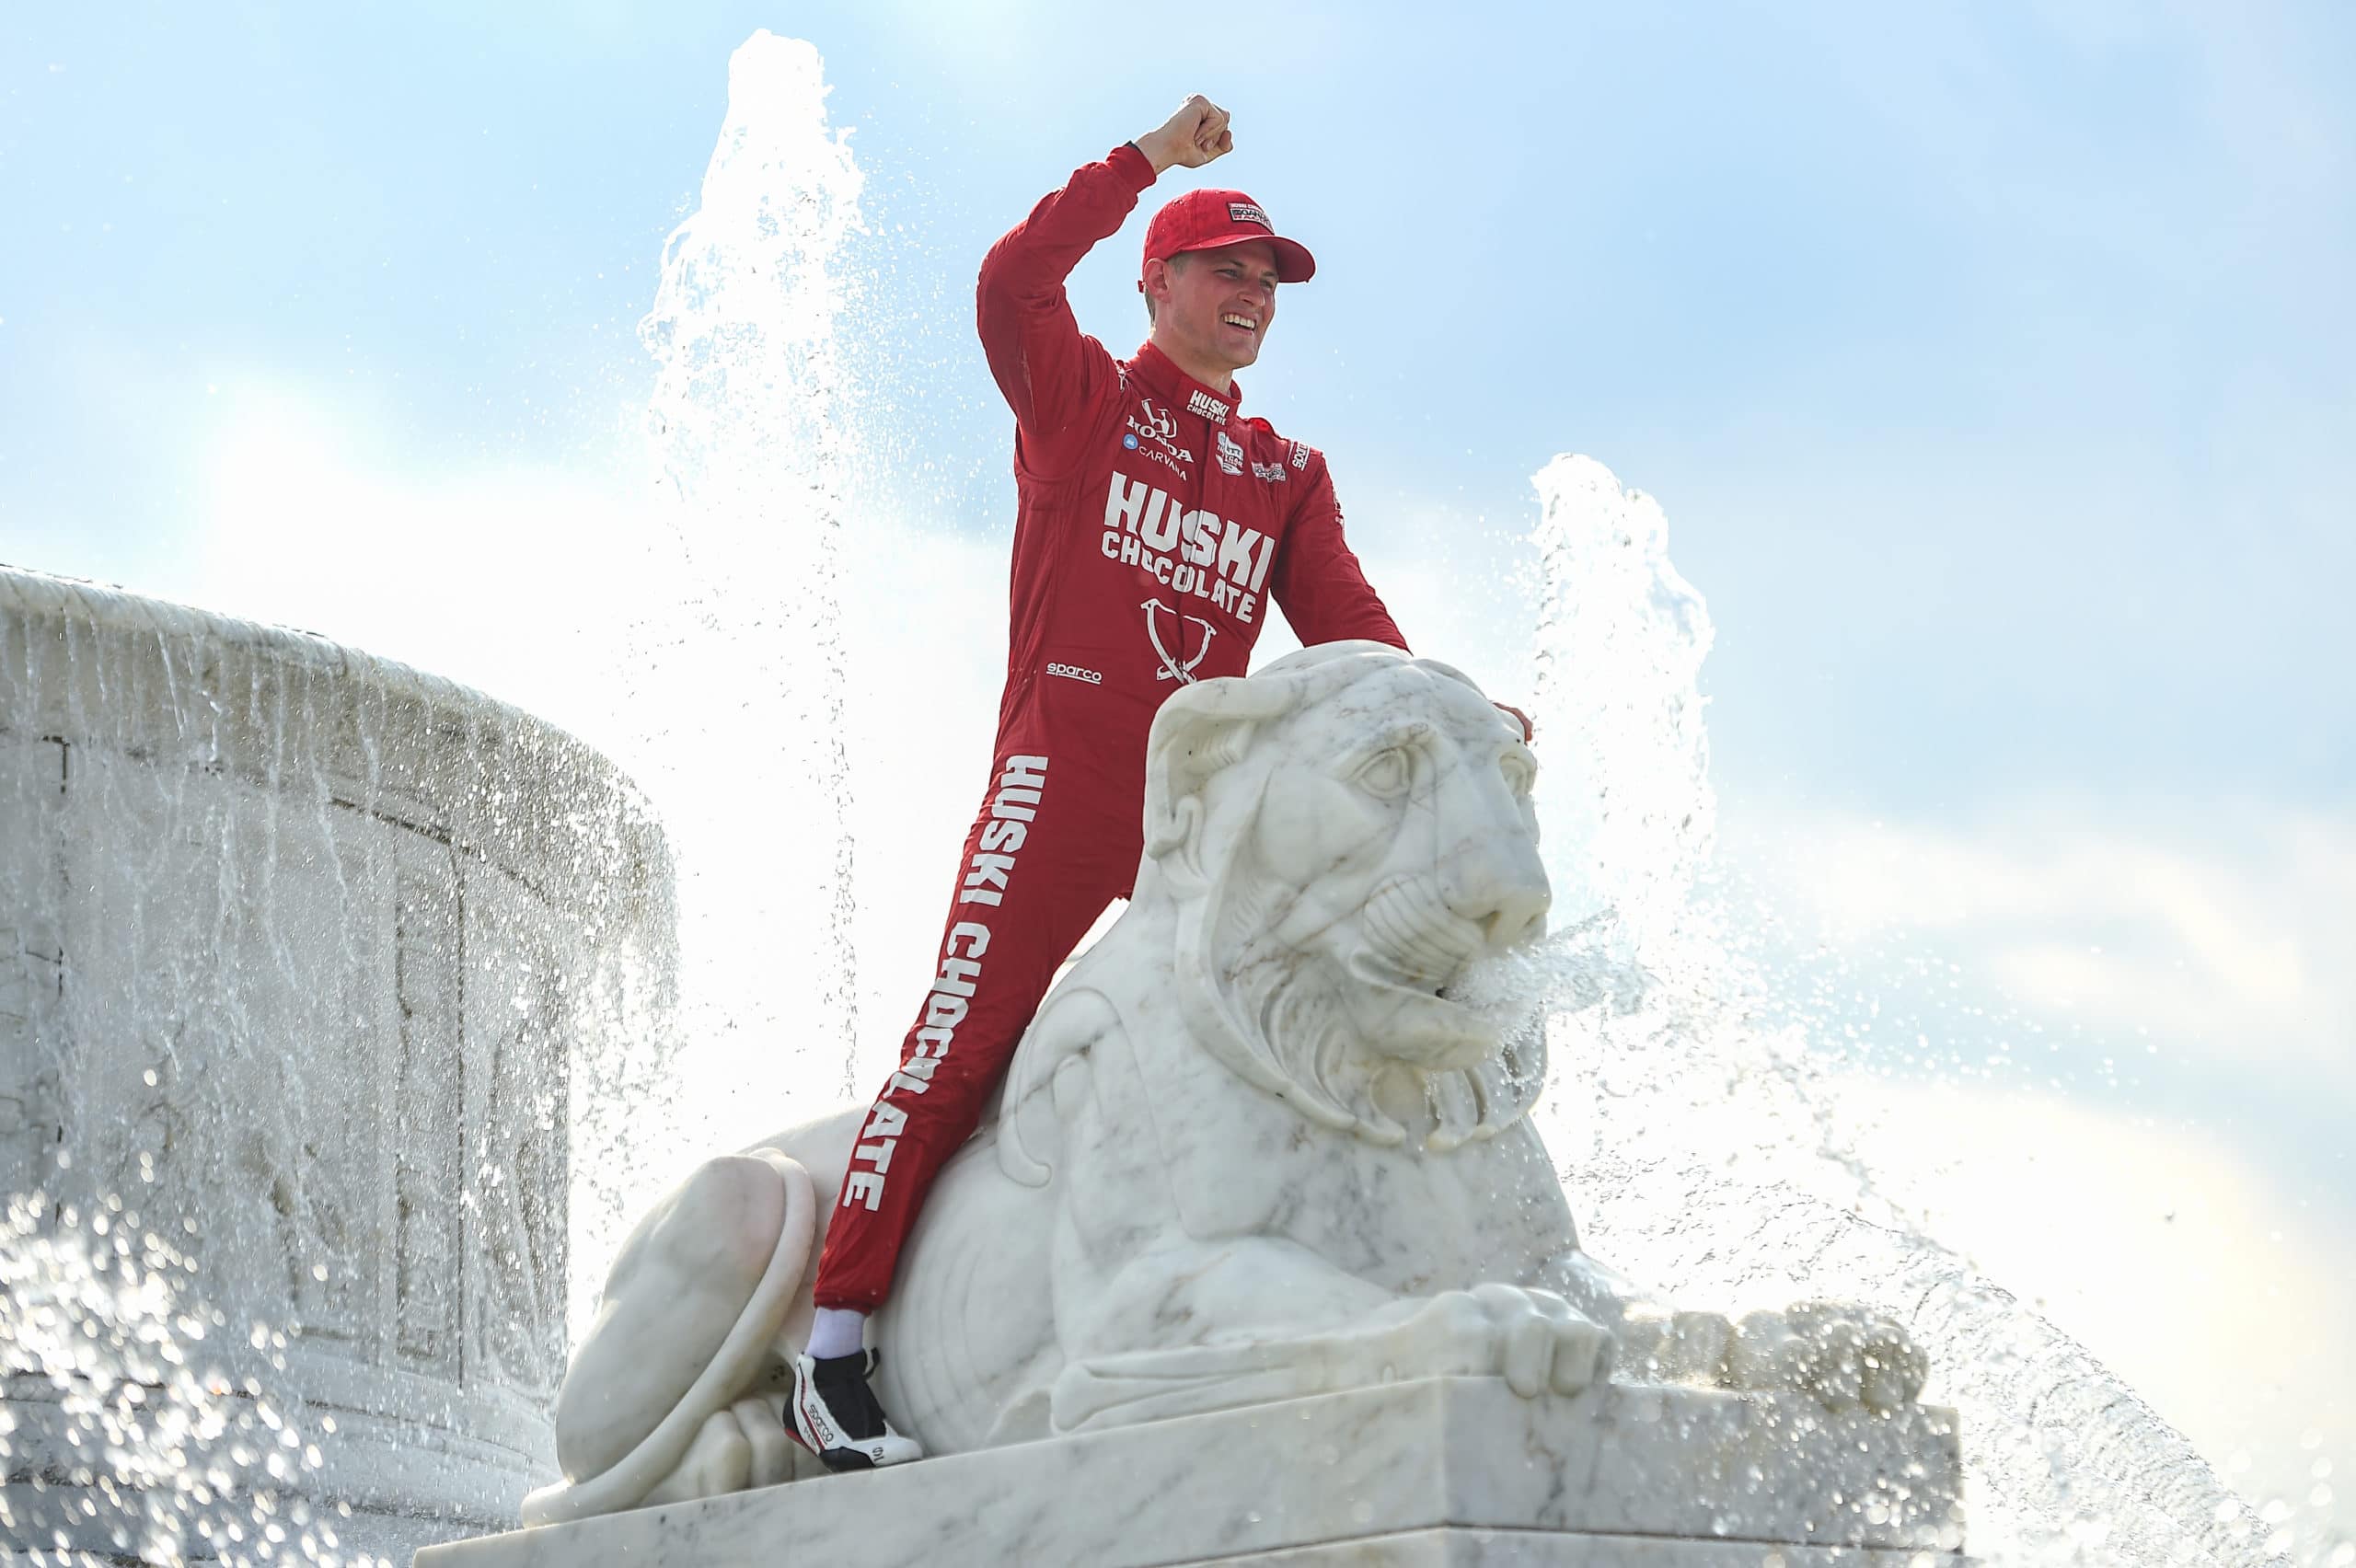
(1153,525)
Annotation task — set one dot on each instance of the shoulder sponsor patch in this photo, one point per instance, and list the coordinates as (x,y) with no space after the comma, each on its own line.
(1300,455)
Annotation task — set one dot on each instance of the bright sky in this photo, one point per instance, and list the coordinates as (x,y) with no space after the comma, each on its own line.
(1995,366)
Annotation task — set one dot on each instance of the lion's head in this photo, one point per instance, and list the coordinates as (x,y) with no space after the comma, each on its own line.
(1346,835)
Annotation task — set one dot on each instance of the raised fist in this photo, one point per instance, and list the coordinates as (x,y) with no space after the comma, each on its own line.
(1190,138)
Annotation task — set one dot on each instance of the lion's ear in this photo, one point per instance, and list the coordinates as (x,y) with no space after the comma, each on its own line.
(1209,725)
(1174,788)
(1200,731)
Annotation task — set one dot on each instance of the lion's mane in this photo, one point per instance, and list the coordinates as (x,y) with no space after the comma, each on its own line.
(1276,1021)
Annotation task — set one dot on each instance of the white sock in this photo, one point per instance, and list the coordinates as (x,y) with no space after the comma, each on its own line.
(838,1331)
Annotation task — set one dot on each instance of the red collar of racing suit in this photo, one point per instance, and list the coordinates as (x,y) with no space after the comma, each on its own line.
(1181,390)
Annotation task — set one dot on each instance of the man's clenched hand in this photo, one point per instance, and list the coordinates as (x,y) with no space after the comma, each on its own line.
(1190,138)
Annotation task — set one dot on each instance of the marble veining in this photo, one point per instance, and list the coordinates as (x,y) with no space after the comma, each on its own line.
(1436,1471)
(1265,1141)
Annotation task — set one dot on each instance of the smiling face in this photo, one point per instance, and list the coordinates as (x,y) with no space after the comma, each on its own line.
(1212,310)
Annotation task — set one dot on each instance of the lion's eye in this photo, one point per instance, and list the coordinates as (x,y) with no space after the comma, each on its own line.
(1387,773)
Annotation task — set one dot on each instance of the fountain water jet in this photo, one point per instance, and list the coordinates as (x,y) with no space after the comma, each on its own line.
(759,285)
(1716,1160)
(740,707)
(1659,1061)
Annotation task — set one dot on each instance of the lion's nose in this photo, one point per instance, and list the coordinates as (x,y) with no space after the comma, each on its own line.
(1500,885)
(1520,914)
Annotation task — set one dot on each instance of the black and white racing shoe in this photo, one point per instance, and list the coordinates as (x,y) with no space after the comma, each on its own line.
(836,1415)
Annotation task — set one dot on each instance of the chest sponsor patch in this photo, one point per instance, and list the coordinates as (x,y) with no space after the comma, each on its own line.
(1273,473)
(1190,552)
(1230,454)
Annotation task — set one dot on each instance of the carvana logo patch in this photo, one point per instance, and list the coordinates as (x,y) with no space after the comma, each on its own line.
(1129,440)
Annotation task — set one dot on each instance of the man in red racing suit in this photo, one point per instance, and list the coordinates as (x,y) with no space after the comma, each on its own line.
(1155,523)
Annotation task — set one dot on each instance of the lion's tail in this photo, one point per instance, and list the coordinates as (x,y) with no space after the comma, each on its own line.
(731,1369)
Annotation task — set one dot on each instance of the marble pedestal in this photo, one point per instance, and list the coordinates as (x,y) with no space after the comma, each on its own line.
(1440,1471)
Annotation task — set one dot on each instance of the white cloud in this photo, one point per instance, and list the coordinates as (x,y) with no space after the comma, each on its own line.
(2229,933)
(588,597)
(485,572)
(2216,1292)
(2209,1274)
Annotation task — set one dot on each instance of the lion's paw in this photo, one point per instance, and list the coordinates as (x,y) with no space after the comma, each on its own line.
(1844,1354)
(1535,1340)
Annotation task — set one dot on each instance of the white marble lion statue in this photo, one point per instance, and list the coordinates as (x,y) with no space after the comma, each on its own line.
(1255,1145)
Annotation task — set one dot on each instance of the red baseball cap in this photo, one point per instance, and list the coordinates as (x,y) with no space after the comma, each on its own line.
(1205,220)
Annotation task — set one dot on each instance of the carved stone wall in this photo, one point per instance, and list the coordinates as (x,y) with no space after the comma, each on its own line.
(306,960)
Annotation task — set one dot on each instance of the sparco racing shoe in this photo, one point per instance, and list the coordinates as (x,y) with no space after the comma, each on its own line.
(836,1415)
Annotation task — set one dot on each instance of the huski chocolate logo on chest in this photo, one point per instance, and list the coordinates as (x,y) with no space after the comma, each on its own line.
(1187,552)
(1203,403)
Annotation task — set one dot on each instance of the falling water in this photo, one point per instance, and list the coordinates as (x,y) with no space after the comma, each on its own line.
(1700,1141)
(1620,687)
(737,686)
(307,964)
(1702,1145)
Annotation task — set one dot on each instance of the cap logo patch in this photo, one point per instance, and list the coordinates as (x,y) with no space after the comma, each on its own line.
(1245,212)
